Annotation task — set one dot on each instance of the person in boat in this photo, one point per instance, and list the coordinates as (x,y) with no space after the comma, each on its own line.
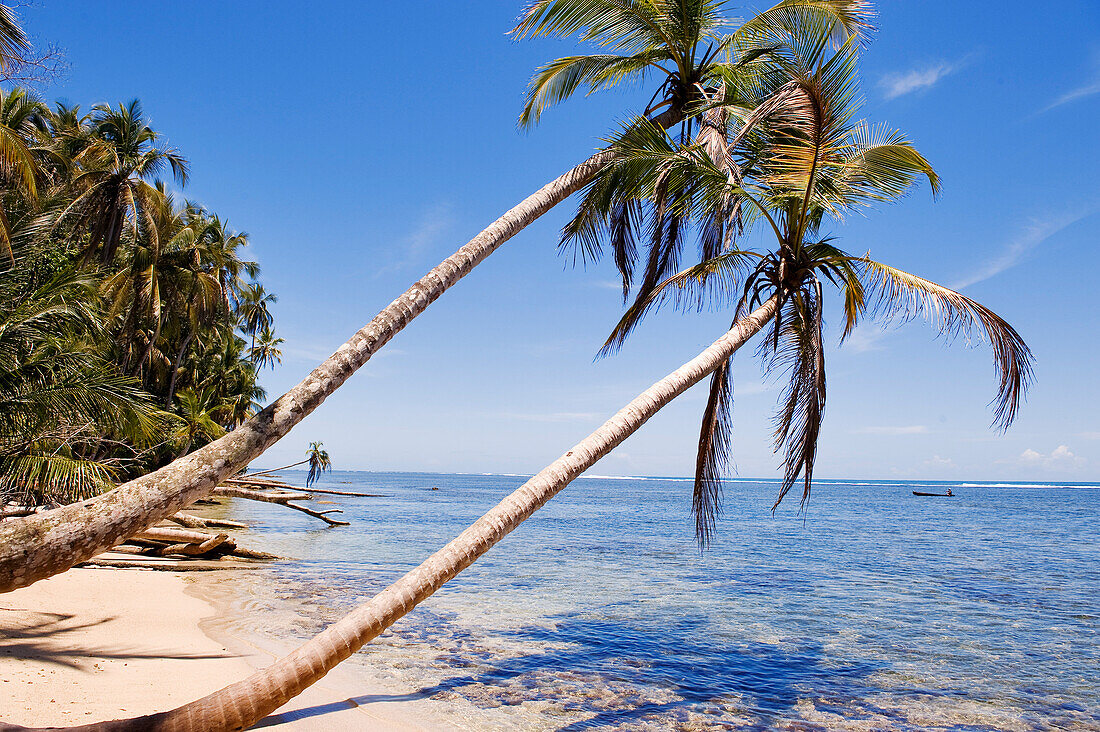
(949,492)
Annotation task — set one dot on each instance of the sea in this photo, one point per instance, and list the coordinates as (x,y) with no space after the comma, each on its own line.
(871,609)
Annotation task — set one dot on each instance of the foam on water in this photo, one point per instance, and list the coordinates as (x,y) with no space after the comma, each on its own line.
(874,610)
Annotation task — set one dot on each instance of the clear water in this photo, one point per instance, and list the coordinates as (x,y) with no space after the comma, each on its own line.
(874,610)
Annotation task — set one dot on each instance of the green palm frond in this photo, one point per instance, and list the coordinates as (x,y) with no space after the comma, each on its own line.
(36,477)
(558,80)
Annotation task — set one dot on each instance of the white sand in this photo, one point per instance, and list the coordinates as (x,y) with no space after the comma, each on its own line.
(98,644)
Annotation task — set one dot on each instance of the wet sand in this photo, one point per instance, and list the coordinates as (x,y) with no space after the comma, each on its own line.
(98,644)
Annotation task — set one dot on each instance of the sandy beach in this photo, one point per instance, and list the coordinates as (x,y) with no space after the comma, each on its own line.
(97,644)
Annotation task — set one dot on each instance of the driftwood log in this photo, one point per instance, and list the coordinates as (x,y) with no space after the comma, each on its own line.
(287,487)
(160,541)
(198,522)
(283,498)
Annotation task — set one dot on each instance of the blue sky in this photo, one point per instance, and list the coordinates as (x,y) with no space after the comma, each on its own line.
(360,143)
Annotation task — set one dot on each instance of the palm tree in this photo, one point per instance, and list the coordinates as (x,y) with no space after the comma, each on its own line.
(22,119)
(116,160)
(38,546)
(242,704)
(813,163)
(316,456)
(253,313)
(12,38)
(266,351)
(197,410)
(57,396)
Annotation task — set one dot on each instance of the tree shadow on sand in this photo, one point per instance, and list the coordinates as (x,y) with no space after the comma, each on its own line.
(630,674)
(36,638)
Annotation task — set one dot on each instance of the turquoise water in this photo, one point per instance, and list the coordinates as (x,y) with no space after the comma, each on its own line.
(875,609)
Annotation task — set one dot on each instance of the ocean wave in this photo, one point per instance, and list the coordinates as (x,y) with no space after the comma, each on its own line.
(1026,485)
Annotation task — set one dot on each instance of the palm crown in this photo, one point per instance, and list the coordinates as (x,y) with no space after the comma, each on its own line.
(792,163)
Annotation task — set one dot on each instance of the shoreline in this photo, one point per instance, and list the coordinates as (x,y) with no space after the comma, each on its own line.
(96,644)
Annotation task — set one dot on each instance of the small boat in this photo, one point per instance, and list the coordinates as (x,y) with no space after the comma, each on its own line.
(949,494)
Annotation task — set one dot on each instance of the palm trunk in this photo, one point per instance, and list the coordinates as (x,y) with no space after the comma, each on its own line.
(176,370)
(276,470)
(244,703)
(47,543)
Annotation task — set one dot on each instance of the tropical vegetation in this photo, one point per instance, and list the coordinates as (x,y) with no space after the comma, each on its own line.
(132,325)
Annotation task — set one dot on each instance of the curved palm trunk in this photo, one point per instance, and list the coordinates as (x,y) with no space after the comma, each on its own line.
(47,543)
(176,370)
(269,471)
(244,703)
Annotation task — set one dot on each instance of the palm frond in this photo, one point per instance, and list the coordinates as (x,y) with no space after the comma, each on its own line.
(798,423)
(713,453)
(899,295)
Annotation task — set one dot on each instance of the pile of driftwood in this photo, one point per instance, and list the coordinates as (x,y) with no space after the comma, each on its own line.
(186,541)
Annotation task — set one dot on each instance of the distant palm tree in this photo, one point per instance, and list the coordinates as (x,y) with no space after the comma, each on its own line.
(266,351)
(117,159)
(253,311)
(317,458)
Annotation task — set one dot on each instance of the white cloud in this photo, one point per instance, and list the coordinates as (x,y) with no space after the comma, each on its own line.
(1081,92)
(864,340)
(900,83)
(913,429)
(1034,234)
(1089,435)
(1060,458)
(939,462)
(426,232)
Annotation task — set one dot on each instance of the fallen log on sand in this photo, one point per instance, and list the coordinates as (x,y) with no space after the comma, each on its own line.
(192,543)
(198,522)
(15,511)
(167,565)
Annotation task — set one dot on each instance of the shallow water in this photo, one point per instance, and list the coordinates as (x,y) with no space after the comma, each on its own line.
(875,609)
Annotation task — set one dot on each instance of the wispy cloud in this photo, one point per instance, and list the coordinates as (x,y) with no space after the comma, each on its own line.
(939,462)
(865,339)
(413,246)
(550,417)
(1089,435)
(912,429)
(898,84)
(1034,234)
(1081,92)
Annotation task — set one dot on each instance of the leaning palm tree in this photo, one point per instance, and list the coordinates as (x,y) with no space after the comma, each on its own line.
(813,164)
(42,545)
(316,456)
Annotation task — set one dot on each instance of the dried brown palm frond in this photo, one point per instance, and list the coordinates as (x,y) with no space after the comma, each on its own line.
(897,294)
